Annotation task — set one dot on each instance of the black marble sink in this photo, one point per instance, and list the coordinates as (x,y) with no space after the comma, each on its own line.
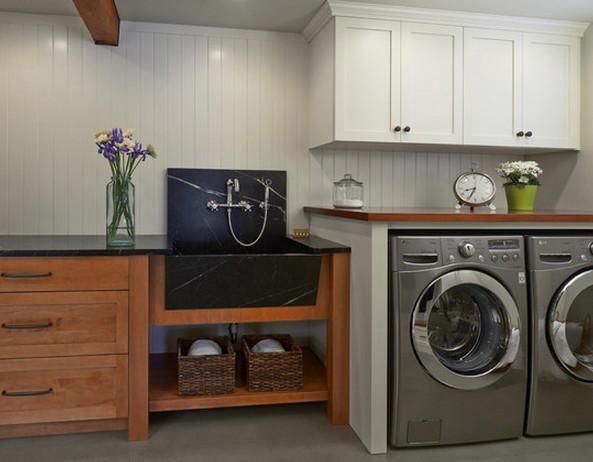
(278,272)
(209,268)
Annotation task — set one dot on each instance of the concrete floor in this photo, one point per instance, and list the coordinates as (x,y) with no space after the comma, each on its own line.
(286,433)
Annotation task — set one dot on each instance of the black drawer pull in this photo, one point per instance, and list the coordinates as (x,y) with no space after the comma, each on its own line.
(27,326)
(26,275)
(27,393)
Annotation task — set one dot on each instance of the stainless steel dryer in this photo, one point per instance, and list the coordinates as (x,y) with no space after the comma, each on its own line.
(561,287)
(458,339)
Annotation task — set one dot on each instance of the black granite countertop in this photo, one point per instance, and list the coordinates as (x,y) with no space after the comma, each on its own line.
(320,245)
(94,245)
(82,245)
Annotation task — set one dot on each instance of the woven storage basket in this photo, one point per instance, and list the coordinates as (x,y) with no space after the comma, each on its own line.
(273,371)
(208,374)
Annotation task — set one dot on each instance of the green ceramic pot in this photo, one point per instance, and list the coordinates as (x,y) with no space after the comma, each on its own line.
(520,199)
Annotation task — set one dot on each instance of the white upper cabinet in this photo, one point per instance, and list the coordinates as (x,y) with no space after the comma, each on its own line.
(492,87)
(521,89)
(410,77)
(393,82)
(431,84)
(367,80)
(551,91)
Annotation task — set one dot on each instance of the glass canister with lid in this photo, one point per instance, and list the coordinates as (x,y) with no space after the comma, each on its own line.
(348,193)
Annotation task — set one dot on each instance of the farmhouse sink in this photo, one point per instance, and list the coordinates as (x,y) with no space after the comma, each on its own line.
(277,272)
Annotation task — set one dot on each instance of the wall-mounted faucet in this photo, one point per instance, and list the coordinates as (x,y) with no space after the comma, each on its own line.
(233,184)
(230,185)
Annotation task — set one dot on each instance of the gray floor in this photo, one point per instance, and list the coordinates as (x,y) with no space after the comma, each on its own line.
(297,432)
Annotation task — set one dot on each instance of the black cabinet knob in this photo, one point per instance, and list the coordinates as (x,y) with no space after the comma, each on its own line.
(397,129)
(528,134)
(520,134)
(407,129)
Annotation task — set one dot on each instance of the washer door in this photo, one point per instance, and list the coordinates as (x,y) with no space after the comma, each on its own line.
(569,326)
(465,329)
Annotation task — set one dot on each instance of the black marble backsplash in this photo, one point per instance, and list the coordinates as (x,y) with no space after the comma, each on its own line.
(189,220)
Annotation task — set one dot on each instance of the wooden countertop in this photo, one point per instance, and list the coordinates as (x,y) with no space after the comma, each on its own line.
(411,214)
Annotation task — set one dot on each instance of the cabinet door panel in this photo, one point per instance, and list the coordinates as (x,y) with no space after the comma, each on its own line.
(551,90)
(431,95)
(43,274)
(63,389)
(41,324)
(365,53)
(492,93)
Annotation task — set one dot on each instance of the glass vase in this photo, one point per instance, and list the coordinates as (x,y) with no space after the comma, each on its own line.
(520,199)
(120,223)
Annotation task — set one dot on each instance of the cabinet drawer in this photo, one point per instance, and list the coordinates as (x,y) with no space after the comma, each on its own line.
(43,324)
(63,273)
(63,389)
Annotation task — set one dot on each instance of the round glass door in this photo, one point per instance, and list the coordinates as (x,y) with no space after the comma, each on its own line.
(569,326)
(466,329)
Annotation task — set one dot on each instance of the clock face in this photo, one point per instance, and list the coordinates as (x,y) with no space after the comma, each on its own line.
(473,188)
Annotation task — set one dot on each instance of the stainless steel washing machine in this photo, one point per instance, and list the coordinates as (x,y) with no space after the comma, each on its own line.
(561,288)
(458,339)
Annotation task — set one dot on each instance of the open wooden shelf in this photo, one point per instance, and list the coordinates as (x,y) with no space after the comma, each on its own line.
(163,392)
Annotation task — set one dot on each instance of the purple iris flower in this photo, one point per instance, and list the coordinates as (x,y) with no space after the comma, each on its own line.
(107,150)
(138,151)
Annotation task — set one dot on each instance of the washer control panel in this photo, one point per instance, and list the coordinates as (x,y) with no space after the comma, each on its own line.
(500,252)
(414,252)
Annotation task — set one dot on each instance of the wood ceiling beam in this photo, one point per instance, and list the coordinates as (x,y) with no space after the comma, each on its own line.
(101,19)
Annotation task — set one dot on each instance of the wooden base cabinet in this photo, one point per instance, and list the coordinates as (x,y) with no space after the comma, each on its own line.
(64,349)
(329,383)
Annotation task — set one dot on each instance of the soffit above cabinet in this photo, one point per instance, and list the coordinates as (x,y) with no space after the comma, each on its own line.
(334,8)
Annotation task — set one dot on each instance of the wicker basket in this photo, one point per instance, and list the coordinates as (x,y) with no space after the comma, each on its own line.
(273,371)
(208,374)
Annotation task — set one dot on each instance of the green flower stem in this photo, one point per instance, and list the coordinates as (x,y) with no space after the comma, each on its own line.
(122,209)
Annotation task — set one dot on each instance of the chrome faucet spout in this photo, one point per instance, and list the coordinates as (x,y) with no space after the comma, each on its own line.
(230,185)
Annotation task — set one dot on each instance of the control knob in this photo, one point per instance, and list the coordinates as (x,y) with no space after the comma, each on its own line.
(591,247)
(466,249)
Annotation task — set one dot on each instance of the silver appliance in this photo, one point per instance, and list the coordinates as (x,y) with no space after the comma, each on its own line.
(561,288)
(458,339)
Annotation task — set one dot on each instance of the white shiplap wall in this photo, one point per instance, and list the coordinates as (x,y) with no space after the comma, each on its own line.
(204,97)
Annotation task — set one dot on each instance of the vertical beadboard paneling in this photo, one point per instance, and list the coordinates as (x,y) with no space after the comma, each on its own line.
(291,126)
(204,97)
(5,38)
(15,131)
(265,125)
(214,101)
(160,137)
(30,108)
(148,213)
(174,100)
(92,162)
(227,103)
(240,104)
(201,102)
(254,89)
(75,136)
(188,97)
(45,136)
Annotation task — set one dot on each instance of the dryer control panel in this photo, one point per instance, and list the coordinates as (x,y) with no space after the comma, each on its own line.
(559,252)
